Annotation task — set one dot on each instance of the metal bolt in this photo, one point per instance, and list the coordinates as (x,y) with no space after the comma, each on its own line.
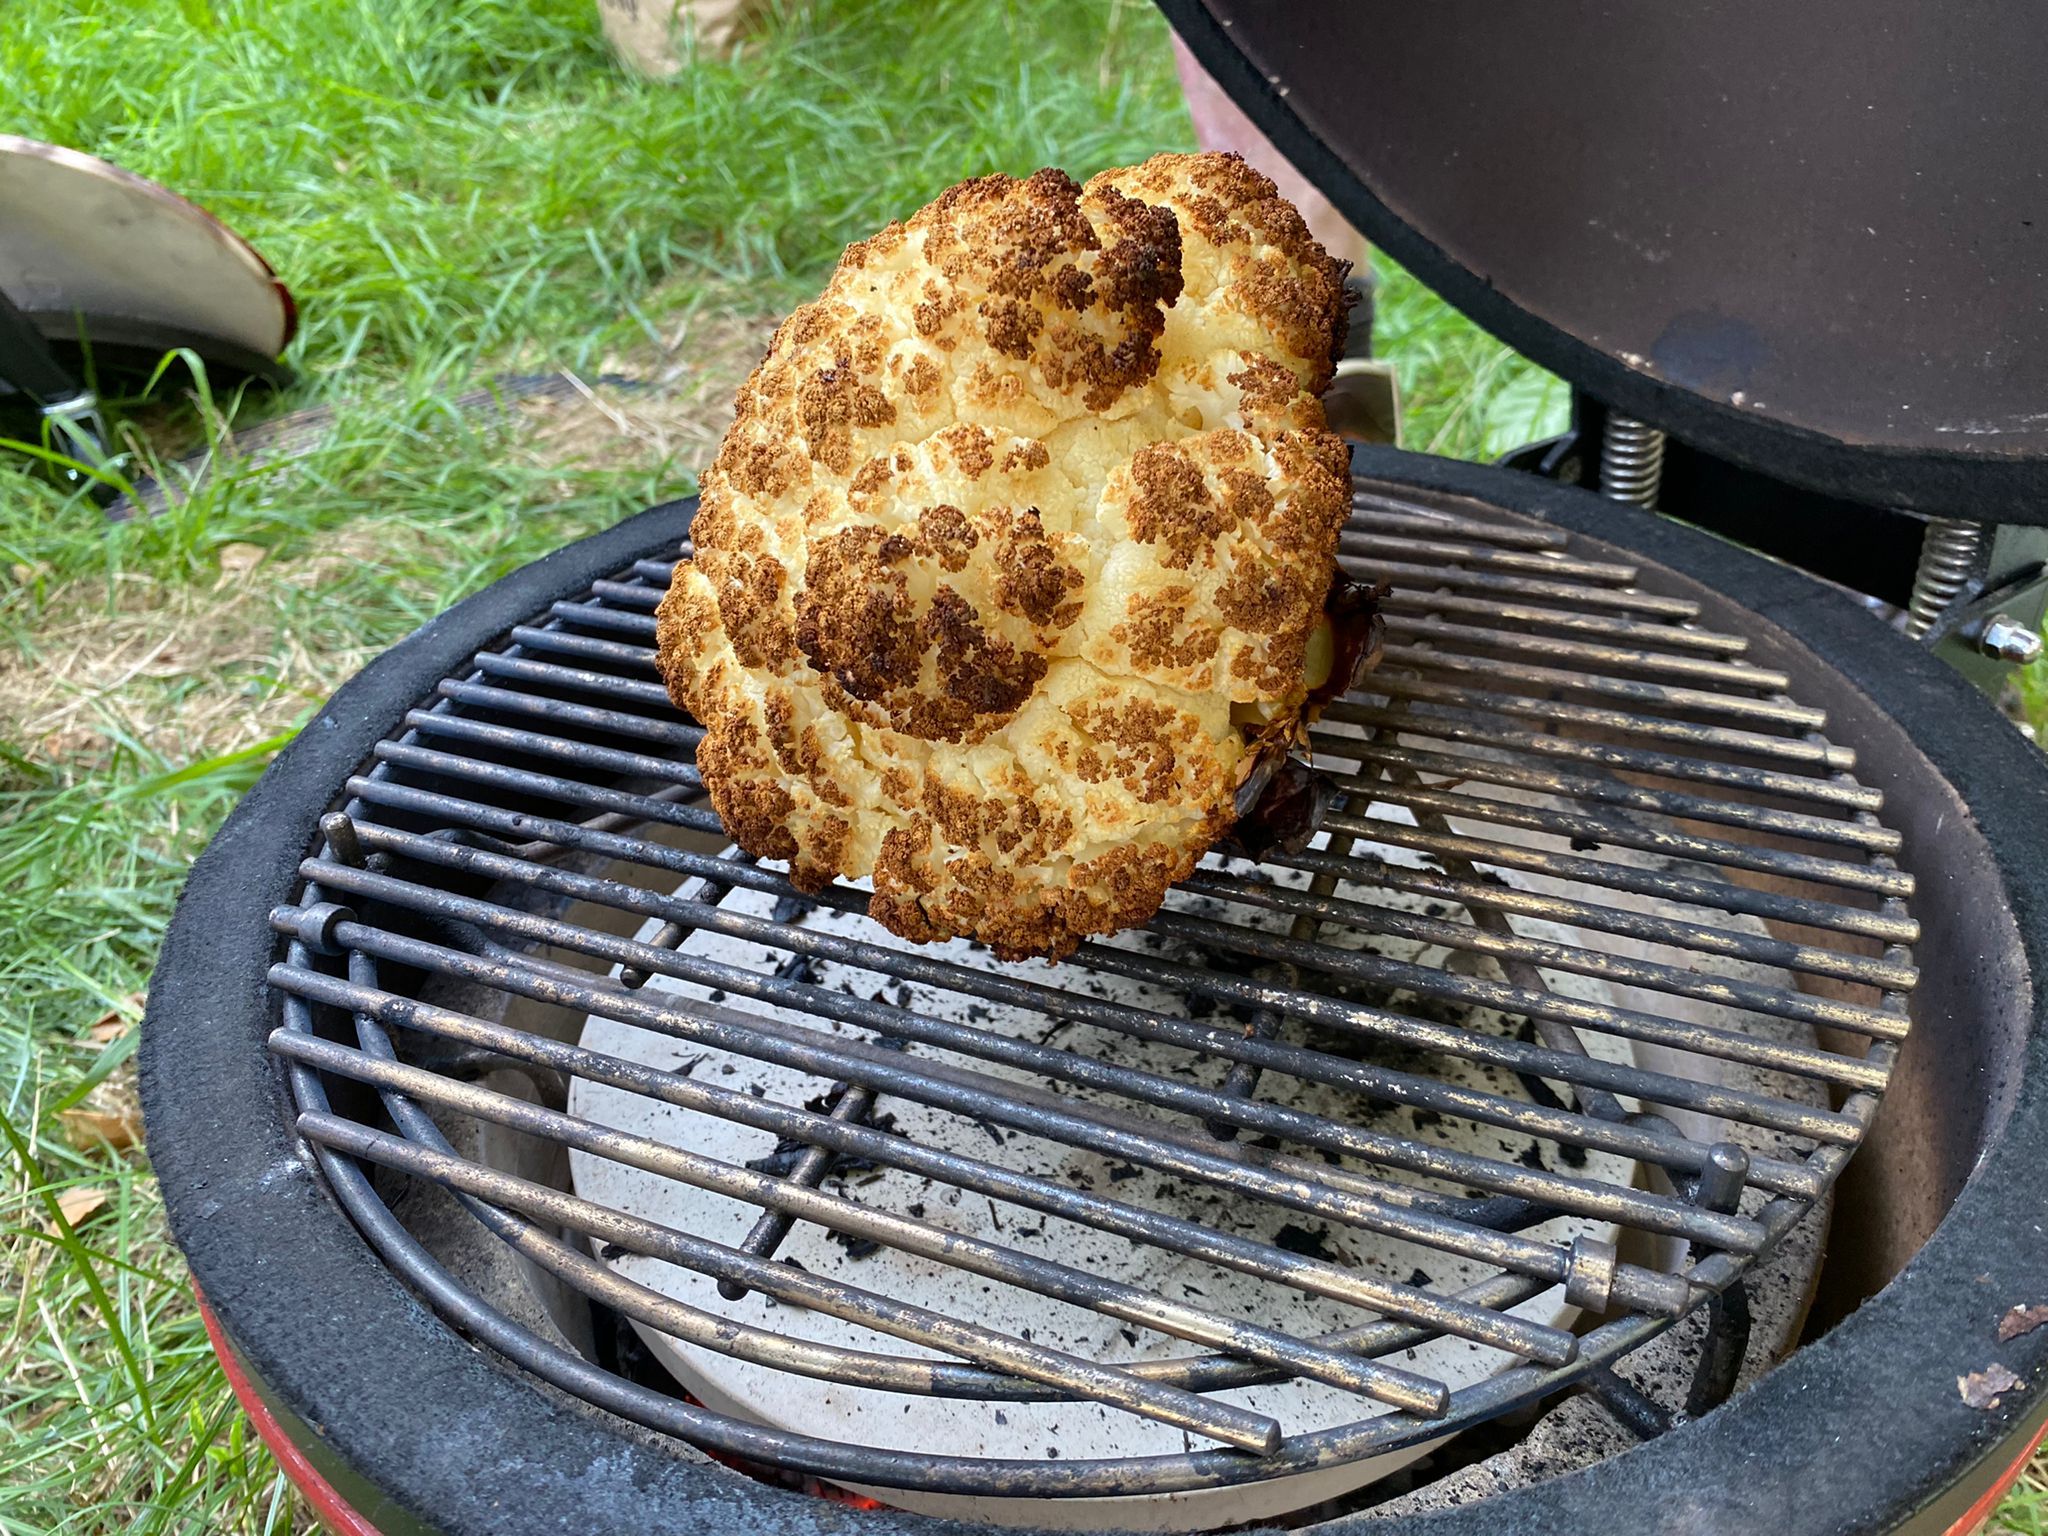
(2004,638)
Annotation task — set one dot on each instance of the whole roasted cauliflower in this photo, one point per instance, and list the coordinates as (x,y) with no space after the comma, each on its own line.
(1008,569)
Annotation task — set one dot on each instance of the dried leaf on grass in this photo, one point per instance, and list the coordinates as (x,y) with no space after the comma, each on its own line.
(1982,1389)
(168,666)
(238,560)
(117,1020)
(109,1116)
(677,417)
(77,1205)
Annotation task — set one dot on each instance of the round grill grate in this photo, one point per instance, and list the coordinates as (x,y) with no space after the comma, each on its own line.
(1599,898)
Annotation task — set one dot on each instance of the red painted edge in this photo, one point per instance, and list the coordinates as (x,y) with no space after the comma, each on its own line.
(334,1512)
(1979,1512)
(340,1517)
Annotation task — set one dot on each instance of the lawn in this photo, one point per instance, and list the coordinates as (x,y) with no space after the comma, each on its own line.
(454,192)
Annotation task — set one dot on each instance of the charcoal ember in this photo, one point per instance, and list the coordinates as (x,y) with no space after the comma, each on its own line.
(789,1150)
(1308,1242)
(797,968)
(856,1247)
(780,1163)
(789,909)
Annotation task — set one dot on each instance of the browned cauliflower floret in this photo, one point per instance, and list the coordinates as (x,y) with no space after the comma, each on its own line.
(1019,534)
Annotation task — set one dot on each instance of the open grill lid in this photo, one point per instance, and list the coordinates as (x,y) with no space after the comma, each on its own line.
(1811,239)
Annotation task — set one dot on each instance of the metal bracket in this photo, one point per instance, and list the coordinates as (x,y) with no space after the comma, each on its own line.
(1363,401)
(70,410)
(1996,623)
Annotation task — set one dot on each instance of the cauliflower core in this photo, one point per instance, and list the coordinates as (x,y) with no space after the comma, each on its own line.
(1015,545)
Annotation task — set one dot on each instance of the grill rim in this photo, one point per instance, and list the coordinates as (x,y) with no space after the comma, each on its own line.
(349,1348)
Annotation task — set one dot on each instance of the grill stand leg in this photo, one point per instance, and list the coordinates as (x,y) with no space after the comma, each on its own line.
(1243,1078)
(810,1170)
(1718,1187)
(1726,1341)
(1597,1102)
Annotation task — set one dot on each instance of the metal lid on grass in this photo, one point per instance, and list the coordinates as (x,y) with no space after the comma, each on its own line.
(101,257)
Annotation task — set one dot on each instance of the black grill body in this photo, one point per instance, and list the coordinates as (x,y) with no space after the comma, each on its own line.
(420,1428)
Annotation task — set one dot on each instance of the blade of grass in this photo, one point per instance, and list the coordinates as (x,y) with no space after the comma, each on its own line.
(81,1260)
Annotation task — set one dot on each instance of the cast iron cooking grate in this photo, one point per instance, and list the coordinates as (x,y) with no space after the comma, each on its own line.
(1597,895)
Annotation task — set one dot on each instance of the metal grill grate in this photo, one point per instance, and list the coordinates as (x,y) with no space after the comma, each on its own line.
(1596,887)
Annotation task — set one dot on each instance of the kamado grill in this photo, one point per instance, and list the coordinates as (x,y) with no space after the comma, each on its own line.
(1628,1109)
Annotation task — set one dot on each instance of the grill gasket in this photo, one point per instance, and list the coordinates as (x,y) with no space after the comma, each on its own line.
(1828,1160)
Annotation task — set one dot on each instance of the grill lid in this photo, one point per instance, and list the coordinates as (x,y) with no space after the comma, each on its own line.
(1811,239)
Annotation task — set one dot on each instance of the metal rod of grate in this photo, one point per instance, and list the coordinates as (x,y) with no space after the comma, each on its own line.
(1555,781)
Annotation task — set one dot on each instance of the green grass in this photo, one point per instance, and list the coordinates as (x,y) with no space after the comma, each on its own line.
(452,190)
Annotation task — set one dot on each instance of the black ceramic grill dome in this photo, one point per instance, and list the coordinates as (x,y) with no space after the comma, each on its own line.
(1811,239)
(400,1399)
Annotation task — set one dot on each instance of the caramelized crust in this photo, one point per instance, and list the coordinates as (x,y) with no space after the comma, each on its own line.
(1014,525)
